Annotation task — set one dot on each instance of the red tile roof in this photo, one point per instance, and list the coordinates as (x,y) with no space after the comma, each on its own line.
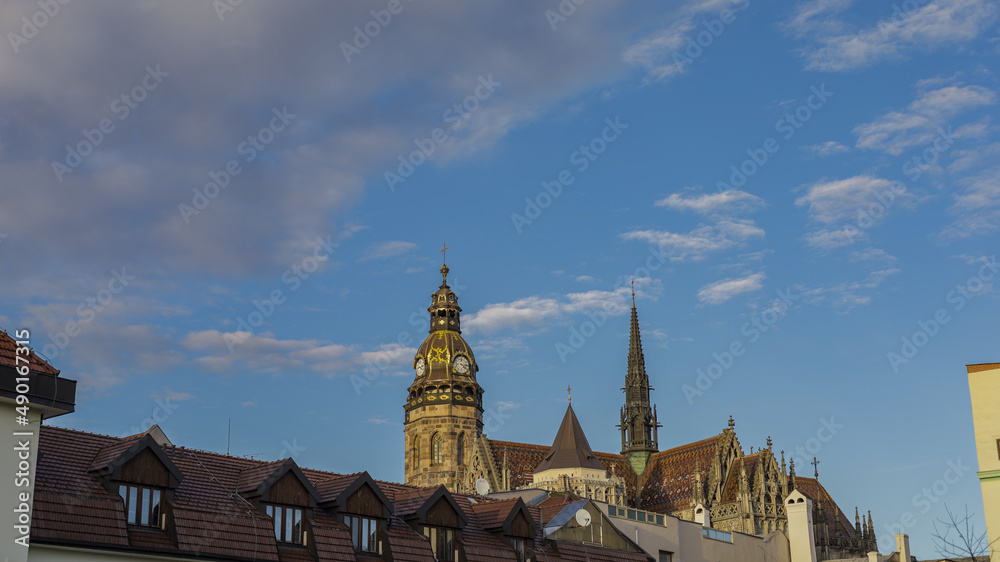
(8,351)
(835,518)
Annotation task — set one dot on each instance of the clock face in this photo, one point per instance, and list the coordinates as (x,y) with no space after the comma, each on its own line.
(420,367)
(461,364)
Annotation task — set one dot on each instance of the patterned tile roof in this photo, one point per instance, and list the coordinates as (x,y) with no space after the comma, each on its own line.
(8,352)
(835,518)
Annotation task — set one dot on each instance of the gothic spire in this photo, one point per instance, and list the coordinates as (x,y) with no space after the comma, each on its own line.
(638,417)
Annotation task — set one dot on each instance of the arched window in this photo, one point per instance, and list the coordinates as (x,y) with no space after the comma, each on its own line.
(415,452)
(437,449)
(460,451)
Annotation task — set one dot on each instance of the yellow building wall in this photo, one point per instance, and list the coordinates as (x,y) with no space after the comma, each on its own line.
(984,391)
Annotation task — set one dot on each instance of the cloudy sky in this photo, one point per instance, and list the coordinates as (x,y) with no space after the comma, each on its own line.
(216,213)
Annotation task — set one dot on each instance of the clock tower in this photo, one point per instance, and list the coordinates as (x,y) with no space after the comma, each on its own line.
(444,407)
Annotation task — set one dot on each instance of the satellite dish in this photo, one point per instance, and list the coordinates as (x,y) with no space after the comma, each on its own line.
(482,487)
(583,517)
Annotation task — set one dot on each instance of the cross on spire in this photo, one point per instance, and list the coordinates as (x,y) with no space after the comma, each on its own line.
(815,464)
(444,252)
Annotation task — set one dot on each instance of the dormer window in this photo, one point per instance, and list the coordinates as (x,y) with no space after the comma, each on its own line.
(442,543)
(287,523)
(365,533)
(142,505)
(522,548)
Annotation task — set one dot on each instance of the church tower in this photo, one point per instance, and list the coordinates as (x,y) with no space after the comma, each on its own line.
(638,418)
(444,408)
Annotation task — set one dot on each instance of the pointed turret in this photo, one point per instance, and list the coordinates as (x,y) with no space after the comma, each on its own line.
(570,448)
(857,522)
(638,418)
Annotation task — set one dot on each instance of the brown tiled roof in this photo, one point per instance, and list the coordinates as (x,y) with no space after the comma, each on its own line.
(669,484)
(574,552)
(406,544)
(492,514)
(8,352)
(329,488)
(835,518)
(553,506)
(732,486)
(481,545)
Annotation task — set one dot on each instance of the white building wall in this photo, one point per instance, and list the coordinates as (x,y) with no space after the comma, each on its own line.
(12,484)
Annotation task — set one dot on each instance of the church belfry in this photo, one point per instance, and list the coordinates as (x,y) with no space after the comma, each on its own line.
(444,406)
(638,417)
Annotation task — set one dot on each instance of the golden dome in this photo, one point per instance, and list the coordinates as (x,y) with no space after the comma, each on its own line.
(445,356)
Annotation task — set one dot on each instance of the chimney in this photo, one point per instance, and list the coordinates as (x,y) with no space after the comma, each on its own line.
(702,515)
(801,536)
(873,556)
(903,547)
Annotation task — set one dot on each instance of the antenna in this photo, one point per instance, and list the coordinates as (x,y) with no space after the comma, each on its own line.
(229,435)
(582,517)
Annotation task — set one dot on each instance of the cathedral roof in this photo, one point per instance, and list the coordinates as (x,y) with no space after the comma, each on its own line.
(570,448)
(669,483)
(835,518)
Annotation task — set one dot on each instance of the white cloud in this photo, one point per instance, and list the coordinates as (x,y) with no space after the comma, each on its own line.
(924,120)
(724,201)
(935,24)
(585,279)
(700,242)
(721,291)
(827,148)
(655,52)
(872,255)
(536,311)
(976,205)
(861,201)
(846,296)
(230,352)
(388,249)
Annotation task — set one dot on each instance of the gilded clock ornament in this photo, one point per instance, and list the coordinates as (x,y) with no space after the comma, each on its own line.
(461,364)
(421,366)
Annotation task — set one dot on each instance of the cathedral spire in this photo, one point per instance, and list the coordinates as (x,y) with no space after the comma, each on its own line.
(638,417)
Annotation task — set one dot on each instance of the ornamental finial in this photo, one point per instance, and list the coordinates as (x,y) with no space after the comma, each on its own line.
(569,395)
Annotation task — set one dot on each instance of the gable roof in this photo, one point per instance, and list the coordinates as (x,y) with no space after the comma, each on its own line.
(8,356)
(114,456)
(417,502)
(570,448)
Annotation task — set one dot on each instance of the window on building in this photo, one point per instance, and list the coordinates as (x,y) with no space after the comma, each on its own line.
(142,504)
(998,448)
(717,535)
(460,450)
(416,451)
(442,543)
(287,523)
(666,556)
(437,449)
(522,548)
(364,533)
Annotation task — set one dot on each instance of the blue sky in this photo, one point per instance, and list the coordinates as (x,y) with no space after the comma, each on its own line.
(213,214)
